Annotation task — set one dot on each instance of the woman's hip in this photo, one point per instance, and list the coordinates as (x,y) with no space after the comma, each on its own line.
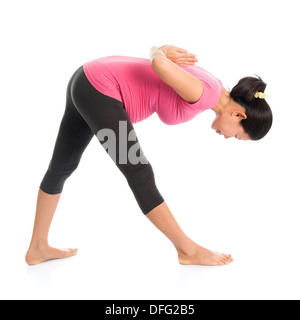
(83,93)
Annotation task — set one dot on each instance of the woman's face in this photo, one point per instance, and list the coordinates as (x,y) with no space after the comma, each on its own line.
(229,125)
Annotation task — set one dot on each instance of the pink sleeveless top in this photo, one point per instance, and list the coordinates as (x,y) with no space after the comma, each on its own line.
(133,82)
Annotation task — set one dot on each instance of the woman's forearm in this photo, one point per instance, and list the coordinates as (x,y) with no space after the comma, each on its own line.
(185,84)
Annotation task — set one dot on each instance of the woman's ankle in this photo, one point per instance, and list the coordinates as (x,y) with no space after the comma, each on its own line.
(39,243)
(188,249)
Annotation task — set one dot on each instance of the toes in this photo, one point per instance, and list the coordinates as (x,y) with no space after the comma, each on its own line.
(70,252)
(229,261)
(220,262)
(227,258)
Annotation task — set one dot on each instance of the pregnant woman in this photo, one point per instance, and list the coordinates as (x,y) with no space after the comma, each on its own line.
(105,97)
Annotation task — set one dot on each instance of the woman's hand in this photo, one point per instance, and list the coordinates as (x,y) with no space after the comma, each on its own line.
(179,56)
(166,62)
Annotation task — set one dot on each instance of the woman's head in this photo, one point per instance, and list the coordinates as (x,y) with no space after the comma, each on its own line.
(248,116)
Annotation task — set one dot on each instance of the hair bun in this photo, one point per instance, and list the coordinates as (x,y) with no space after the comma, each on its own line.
(247,89)
(250,94)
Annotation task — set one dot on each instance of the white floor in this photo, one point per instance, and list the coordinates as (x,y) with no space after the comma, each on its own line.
(149,276)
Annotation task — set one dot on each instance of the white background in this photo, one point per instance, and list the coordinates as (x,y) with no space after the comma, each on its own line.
(229,196)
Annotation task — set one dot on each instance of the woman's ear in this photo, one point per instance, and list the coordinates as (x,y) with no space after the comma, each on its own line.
(239,115)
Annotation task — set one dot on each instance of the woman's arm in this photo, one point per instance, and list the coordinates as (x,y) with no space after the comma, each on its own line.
(164,62)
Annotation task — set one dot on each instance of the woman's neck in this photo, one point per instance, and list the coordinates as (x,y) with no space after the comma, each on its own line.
(223,102)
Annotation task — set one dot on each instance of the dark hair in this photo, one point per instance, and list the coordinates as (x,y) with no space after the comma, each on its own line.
(259,115)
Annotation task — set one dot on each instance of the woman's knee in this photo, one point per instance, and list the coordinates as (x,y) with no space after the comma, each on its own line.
(141,180)
(55,178)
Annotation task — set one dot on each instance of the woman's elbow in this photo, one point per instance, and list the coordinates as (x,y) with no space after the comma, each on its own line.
(158,63)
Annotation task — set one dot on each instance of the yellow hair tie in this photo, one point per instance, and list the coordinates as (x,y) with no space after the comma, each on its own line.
(260,95)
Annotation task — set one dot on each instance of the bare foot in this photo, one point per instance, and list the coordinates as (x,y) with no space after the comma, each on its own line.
(39,254)
(204,257)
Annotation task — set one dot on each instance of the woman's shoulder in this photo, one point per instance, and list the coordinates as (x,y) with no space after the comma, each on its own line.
(209,80)
(212,88)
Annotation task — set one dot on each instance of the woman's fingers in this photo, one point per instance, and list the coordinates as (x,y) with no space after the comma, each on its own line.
(180,56)
(180,50)
(190,56)
(187,58)
(184,53)
(186,61)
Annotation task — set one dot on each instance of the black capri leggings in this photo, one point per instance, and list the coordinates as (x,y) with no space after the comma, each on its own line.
(88,112)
